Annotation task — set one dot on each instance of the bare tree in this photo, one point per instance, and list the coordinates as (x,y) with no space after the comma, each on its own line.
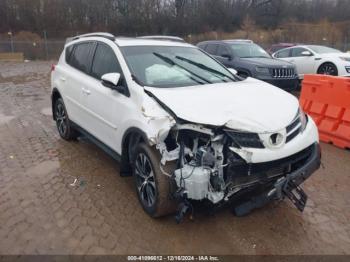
(130,17)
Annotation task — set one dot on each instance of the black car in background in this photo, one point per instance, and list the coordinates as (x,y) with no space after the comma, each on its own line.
(250,60)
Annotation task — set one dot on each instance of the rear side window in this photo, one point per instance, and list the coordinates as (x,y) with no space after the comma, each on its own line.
(69,51)
(105,61)
(283,53)
(81,57)
(211,49)
(202,46)
(223,51)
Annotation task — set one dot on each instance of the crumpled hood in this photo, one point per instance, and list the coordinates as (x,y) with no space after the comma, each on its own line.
(249,105)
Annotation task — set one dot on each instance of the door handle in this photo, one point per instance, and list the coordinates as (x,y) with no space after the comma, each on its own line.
(62,79)
(85,91)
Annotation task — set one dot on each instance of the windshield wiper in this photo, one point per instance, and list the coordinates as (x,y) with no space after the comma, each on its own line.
(204,67)
(165,59)
(171,62)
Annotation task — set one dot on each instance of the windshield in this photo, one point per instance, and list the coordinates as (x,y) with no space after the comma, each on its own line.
(169,66)
(323,49)
(249,51)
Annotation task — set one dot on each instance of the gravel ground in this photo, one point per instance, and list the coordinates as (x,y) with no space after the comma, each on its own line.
(42,212)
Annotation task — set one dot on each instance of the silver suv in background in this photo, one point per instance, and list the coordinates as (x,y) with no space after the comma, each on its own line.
(251,60)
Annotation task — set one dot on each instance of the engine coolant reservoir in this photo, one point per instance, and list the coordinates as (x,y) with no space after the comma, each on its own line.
(195,180)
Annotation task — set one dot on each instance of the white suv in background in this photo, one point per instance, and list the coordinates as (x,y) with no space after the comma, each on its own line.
(182,124)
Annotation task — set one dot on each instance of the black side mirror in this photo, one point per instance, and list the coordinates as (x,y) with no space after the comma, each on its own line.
(227,56)
(119,88)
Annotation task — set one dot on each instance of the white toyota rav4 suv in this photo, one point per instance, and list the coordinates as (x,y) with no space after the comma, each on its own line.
(183,125)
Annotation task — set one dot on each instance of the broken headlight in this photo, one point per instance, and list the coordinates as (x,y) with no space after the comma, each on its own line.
(245,139)
(303,119)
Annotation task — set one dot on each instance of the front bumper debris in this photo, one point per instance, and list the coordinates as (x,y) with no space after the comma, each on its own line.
(287,186)
(296,194)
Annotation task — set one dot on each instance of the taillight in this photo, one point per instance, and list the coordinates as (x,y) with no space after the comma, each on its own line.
(53,66)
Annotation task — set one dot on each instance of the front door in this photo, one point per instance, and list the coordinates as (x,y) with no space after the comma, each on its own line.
(104,106)
(304,64)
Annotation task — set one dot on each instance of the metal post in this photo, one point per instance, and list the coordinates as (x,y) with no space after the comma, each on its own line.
(46,47)
(346,43)
(11,39)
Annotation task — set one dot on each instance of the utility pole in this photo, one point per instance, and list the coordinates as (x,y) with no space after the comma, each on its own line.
(11,40)
(46,47)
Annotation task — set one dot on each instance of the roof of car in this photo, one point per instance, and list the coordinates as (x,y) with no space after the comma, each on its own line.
(125,41)
(229,41)
(163,37)
(239,41)
(133,41)
(295,46)
(285,44)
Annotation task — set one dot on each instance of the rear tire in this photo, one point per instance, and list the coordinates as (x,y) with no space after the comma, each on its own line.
(64,126)
(328,69)
(153,187)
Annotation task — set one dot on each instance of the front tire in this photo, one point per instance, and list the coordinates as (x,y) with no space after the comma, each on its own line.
(328,69)
(153,187)
(64,127)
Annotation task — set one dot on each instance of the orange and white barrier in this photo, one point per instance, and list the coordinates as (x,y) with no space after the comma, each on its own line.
(327,100)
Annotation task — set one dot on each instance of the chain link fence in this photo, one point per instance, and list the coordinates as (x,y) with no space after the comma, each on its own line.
(43,50)
(51,49)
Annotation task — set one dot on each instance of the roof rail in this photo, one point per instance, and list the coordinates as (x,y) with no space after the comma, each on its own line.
(240,40)
(163,38)
(97,34)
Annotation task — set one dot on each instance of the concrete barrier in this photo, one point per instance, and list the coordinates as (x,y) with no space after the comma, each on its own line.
(12,57)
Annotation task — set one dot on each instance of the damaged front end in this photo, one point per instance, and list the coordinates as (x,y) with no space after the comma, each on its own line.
(215,164)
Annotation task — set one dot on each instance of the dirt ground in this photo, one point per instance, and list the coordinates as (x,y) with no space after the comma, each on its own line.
(42,211)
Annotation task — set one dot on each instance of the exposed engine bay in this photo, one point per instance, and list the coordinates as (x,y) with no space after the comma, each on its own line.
(200,161)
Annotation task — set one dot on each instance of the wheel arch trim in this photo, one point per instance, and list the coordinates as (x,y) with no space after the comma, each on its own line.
(139,135)
(133,131)
(327,62)
(55,92)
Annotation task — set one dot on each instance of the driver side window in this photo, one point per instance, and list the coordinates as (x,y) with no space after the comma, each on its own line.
(223,51)
(297,52)
(105,61)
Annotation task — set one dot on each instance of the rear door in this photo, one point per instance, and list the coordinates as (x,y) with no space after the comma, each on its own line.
(104,107)
(74,78)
